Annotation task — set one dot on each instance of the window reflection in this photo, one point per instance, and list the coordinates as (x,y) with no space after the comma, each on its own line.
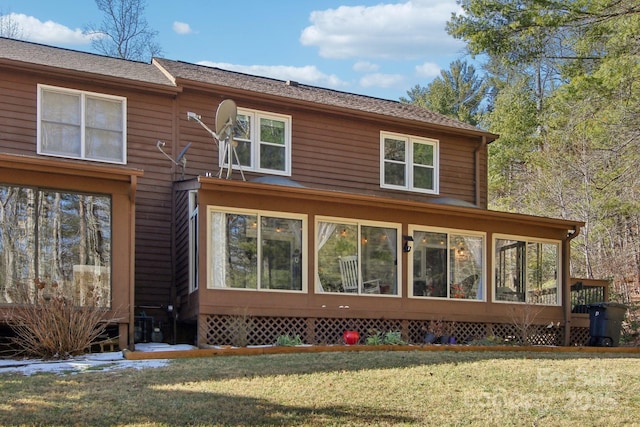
(58,239)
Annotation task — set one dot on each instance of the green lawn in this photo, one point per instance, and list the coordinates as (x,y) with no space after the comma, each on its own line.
(351,388)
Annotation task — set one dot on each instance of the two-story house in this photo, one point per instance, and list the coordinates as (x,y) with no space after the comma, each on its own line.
(321,211)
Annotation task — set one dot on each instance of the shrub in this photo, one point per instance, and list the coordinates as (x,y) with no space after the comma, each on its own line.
(375,339)
(287,341)
(48,324)
(389,338)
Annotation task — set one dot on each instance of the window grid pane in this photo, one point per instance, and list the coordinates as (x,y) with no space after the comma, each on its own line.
(272,157)
(423,177)
(423,154)
(272,131)
(335,240)
(242,251)
(394,149)
(394,174)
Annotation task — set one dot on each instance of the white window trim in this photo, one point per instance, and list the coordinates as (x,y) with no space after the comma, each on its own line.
(526,239)
(409,140)
(225,209)
(83,95)
(256,115)
(359,223)
(193,241)
(413,228)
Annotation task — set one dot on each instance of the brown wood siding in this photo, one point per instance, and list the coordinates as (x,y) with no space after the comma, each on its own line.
(334,152)
(182,245)
(149,118)
(17,114)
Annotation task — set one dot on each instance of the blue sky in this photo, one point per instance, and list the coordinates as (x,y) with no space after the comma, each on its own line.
(380,48)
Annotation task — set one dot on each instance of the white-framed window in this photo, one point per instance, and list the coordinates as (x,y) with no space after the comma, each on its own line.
(262,142)
(193,241)
(447,263)
(256,250)
(409,163)
(527,270)
(82,125)
(357,257)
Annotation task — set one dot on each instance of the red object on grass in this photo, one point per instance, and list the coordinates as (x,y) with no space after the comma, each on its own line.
(351,337)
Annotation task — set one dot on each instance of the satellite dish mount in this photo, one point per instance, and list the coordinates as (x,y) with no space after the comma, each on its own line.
(225,121)
(181,160)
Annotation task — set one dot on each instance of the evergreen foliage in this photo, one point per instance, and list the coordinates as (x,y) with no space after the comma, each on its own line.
(564,97)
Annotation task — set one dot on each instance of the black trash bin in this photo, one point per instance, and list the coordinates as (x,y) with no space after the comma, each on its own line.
(605,323)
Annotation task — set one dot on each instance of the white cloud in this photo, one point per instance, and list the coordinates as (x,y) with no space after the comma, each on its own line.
(181,27)
(409,30)
(49,32)
(382,80)
(308,74)
(365,67)
(428,70)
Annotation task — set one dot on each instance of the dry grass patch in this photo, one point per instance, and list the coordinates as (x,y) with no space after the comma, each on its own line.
(354,388)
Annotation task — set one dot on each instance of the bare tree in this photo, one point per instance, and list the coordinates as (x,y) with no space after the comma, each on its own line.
(9,27)
(124,32)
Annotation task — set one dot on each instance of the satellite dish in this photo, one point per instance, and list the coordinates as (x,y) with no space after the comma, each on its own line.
(226,116)
(181,157)
(181,160)
(225,121)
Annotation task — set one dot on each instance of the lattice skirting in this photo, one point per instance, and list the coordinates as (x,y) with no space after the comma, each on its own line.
(242,330)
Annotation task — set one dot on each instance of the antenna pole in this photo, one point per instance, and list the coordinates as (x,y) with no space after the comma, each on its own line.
(195,117)
(226,111)
(229,152)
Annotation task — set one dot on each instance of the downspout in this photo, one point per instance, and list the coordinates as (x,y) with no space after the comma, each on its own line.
(476,153)
(132,261)
(566,283)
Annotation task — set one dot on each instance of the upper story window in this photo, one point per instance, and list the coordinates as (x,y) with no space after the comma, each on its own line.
(81,125)
(409,163)
(527,270)
(263,142)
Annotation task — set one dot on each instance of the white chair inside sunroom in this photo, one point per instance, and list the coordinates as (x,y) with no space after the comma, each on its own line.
(350,282)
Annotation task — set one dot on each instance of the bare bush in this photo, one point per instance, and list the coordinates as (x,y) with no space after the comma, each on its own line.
(523,317)
(240,326)
(48,324)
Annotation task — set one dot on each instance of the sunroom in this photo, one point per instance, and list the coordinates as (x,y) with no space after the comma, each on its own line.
(300,261)
(68,227)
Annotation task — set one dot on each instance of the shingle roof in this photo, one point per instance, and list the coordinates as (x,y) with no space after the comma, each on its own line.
(34,53)
(396,109)
(152,73)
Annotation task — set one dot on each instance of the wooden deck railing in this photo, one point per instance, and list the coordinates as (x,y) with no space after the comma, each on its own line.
(587,291)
